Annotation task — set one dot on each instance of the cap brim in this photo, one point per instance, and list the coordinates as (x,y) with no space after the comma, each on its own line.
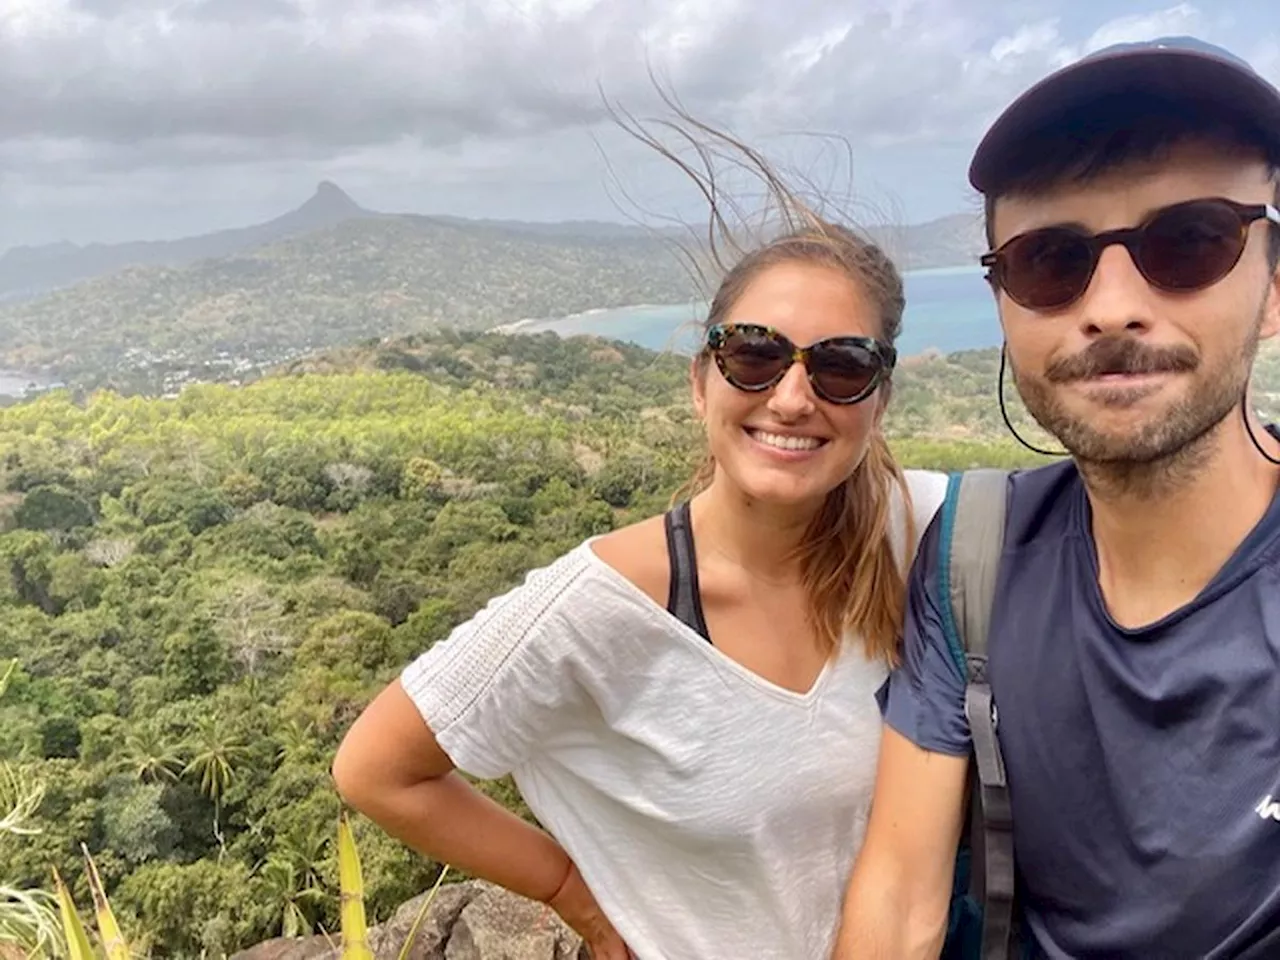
(1179,76)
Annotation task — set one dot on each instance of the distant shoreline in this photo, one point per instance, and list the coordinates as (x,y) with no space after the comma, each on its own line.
(16,383)
(548,324)
(516,326)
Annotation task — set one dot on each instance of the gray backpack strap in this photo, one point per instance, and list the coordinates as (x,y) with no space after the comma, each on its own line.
(976,545)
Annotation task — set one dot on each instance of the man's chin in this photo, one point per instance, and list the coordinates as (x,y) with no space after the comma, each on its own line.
(1144,442)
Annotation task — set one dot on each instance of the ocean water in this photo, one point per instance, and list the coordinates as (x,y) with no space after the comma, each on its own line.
(948,309)
(14,384)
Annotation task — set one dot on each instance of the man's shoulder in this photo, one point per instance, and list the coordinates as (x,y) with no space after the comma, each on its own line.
(1047,480)
(1034,494)
(1041,502)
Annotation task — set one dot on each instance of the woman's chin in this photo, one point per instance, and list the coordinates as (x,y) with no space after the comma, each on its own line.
(784,493)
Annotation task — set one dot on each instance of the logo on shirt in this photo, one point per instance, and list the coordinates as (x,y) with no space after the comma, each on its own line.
(1269,809)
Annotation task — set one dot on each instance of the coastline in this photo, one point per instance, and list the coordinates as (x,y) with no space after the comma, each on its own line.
(524,324)
(19,384)
(542,324)
(948,309)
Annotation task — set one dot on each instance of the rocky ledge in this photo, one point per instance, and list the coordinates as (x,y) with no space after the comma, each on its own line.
(473,920)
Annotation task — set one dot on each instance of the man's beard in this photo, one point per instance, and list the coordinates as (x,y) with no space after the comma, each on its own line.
(1160,454)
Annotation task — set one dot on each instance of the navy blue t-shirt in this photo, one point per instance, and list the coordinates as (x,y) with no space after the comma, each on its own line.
(1143,765)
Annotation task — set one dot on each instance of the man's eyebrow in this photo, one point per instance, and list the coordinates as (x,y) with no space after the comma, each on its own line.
(1077,225)
(1074,225)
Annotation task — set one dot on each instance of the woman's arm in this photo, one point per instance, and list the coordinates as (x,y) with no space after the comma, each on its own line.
(900,890)
(390,768)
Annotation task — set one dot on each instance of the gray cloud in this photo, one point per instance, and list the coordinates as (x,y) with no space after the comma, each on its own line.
(453,101)
(334,72)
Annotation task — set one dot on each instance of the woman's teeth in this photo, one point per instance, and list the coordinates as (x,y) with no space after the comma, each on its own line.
(786,442)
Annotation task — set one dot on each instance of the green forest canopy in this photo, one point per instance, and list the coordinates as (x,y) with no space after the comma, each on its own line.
(202,593)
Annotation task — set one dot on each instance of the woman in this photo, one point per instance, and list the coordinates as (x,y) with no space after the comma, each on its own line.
(688,705)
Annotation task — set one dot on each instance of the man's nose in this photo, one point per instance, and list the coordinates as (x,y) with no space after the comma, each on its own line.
(1118,299)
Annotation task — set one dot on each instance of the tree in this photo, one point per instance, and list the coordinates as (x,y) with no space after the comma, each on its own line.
(250,620)
(350,484)
(195,659)
(292,894)
(172,899)
(29,557)
(421,478)
(60,737)
(53,508)
(108,552)
(136,824)
(215,755)
(396,596)
(296,742)
(149,757)
(197,508)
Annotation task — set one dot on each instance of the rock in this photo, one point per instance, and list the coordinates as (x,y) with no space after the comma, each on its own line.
(298,948)
(435,929)
(498,925)
(472,920)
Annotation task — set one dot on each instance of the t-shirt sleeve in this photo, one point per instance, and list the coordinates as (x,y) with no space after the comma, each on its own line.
(497,686)
(925,697)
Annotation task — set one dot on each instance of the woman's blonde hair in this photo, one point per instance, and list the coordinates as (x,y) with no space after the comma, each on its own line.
(851,571)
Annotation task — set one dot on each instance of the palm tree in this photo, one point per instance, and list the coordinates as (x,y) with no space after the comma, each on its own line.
(305,850)
(292,893)
(150,757)
(297,742)
(213,764)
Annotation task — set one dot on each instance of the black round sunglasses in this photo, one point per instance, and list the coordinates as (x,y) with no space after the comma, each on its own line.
(843,370)
(1181,248)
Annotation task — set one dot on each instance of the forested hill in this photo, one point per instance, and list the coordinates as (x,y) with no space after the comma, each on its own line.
(154,328)
(201,593)
(151,317)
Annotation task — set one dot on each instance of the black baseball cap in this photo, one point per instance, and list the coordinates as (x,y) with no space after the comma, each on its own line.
(1176,70)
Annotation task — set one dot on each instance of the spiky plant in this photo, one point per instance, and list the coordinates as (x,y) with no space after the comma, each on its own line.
(28,920)
(78,946)
(355,930)
(114,944)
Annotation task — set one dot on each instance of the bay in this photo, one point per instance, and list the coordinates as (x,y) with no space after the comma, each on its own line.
(948,309)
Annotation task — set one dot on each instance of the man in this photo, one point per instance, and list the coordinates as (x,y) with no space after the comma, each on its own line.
(1135,639)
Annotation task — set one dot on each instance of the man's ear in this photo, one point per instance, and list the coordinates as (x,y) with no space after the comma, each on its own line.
(698,385)
(1270,325)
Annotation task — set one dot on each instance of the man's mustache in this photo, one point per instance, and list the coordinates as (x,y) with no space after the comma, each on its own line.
(1121,355)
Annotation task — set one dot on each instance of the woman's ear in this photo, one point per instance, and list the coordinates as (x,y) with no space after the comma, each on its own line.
(698,385)
(883,396)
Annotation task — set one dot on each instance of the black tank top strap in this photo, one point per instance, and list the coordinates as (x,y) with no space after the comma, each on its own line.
(684,599)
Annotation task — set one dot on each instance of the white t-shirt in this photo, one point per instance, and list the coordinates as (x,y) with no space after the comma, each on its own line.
(712,813)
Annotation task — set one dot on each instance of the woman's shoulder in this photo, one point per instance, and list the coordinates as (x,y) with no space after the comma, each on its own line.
(638,554)
(556,605)
(608,570)
(927,489)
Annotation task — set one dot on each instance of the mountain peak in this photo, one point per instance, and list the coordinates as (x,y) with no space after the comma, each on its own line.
(331,198)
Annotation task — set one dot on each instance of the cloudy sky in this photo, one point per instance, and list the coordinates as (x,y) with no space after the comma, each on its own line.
(124,119)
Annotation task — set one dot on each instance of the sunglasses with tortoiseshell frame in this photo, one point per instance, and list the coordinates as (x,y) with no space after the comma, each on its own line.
(843,370)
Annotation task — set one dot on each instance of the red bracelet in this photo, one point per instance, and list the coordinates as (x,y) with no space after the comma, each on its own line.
(560,889)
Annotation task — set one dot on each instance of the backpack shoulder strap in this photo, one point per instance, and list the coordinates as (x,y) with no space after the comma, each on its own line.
(972,530)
